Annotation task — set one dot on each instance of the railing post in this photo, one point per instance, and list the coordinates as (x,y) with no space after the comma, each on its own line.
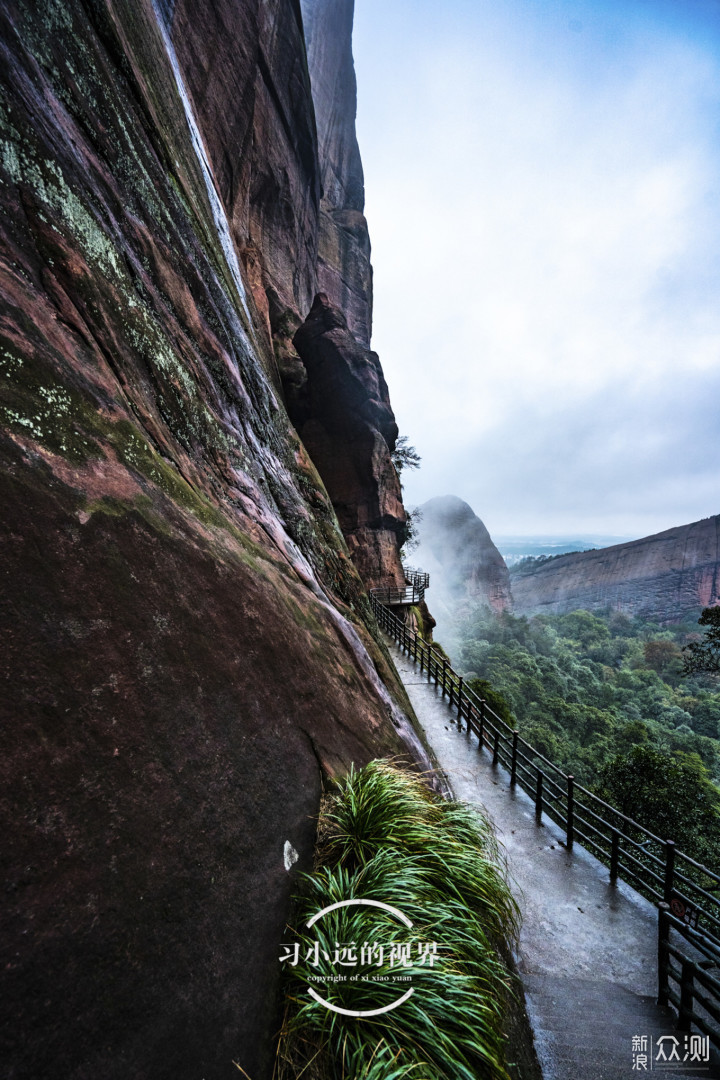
(460,699)
(451,693)
(422,658)
(669,870)
(614,856)
(686,996)
(444,669)
(513,764)
(482,723)
(663,958)
(570,811)
(539,797)
(496,747)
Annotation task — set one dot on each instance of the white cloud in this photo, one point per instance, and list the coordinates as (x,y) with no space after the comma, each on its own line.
(547,255)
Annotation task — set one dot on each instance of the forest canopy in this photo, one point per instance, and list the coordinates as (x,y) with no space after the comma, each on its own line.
(605,697)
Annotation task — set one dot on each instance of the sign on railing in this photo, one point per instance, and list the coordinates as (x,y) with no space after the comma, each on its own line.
(652,865)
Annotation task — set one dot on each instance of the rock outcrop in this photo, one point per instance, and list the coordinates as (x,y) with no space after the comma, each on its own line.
(465,566)
(344,270)
(668,576)
(333,384)
(185,655)
(347,425)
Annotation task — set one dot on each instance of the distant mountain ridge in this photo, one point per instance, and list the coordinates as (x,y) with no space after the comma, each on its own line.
(515,548)
(666,576)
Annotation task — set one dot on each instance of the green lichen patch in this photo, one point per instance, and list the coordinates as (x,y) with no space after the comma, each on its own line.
(34,404)
(143,505)
(303,616)
(136,453)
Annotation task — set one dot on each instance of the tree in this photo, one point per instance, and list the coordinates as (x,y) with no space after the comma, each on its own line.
(494,698)
(704,656)
(411,540)
(405,456)
(584,627)
(661,655)
(670,794)
(706,716)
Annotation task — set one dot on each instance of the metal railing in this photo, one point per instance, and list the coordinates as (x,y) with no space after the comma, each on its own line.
(418,578)
(653,866)
(417,581)
(392,596)
(684,980)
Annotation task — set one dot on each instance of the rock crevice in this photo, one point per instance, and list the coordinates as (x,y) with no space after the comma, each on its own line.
(345,420)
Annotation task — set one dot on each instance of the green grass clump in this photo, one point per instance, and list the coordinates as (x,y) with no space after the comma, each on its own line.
(386,836)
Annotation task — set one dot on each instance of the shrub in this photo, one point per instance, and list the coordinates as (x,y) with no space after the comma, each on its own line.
(386,836)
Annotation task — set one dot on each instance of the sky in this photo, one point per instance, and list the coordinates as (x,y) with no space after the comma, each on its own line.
(542,189)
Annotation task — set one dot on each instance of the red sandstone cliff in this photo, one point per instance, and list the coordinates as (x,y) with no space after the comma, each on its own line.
(344,271)
(346,423)
(666,576)
(183,657)
(333,384)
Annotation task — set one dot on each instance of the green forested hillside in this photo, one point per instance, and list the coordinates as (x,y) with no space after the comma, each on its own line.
(604,697)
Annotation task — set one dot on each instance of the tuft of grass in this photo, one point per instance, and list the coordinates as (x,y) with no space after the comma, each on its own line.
(386,836)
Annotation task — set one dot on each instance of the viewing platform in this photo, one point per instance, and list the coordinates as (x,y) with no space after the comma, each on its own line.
(416,582)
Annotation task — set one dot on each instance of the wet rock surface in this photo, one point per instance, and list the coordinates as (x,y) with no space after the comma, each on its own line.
(185,655)
(667,576)
(344,270)
(346,423)
(245,68)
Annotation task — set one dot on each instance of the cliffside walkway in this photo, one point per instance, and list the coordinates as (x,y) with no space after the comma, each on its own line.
(416,582)
(588,951)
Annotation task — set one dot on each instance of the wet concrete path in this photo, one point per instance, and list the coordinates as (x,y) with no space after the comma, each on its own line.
(588,952)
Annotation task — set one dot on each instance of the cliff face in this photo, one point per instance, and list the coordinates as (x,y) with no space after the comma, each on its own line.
(344,271)
(346,423)
(287,165)
(666,576)
(463,562)
(244,67)
(183,649)
(333,384)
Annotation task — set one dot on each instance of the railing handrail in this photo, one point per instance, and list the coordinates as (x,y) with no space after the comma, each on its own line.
(416,577)
(452,683)
(691,976)
(416,582)
(568,808)
(394,594)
